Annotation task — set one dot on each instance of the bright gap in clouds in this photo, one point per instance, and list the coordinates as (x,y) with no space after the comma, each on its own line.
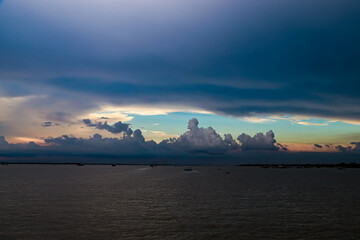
(163,121)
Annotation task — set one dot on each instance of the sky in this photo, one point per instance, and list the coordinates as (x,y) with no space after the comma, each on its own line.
(283,74)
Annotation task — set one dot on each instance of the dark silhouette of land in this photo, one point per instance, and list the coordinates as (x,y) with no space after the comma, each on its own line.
(336,165)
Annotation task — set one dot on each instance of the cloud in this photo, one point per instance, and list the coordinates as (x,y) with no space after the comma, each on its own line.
(64,140)
(46,124)
(118,127)
(230,142)
(282,147)
(318,146)
(251,62)
(3,142)
(204,140)
(342,148)
(196,140)
(150,110)
(129,144)
(312,124)
(357,146)
(254,119)
(355,149)
(198,144)
(258,142)
(137,135)
(107,113)
(16,149)
(97,145)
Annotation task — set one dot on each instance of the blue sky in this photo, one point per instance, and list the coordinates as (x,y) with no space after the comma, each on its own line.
(286,130)
(239,66)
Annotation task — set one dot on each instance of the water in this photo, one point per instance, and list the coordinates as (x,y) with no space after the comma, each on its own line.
(139,202)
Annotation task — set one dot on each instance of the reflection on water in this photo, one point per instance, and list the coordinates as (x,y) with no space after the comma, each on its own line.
(132,202)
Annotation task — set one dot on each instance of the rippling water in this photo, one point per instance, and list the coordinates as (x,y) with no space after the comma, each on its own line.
(139,202)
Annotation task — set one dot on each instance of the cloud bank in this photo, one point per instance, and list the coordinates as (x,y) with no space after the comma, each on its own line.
(197,143)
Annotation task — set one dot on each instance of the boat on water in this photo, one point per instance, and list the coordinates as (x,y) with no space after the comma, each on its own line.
(188,169)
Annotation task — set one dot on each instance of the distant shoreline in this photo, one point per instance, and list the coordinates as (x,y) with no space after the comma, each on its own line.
(337,165)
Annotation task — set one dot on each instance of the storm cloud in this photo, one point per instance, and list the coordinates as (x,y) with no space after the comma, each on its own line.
(237,58)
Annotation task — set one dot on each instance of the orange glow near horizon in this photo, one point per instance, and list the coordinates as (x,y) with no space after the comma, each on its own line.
(24,140)
(307,147)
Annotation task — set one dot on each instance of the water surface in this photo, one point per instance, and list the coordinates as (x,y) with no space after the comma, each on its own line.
(164,202)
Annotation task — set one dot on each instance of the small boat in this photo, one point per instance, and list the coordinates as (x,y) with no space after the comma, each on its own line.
(81,164)
(188,169)
(114,165)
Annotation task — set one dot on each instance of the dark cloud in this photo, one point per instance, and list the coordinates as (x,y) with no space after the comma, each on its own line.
(355,149)
(357,146)
(318,146)
(228,100)
(3,141)
(236,58)
(282,147)
(230,142)
(9,149)
(342,148)
(118,127)
(46,124)
(64,140)
(258,142)
(134,145)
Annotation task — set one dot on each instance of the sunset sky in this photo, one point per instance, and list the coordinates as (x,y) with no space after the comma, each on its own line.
(76,68)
